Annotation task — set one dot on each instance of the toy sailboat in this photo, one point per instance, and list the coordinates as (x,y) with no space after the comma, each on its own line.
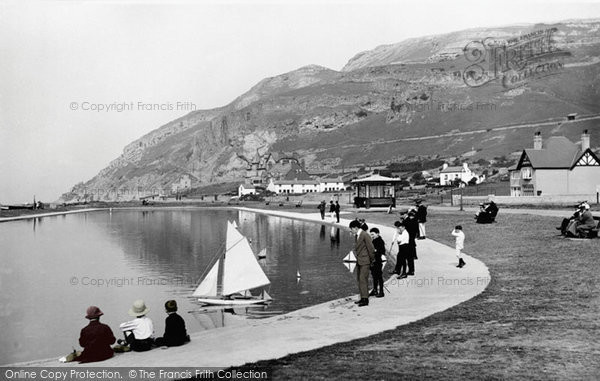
(350,257)
(234,274)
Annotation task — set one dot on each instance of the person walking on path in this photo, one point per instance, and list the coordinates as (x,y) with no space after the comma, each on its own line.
(421,218)
(377,267)
(402,238)
(365,257)
(460,244)
(95,338)
(321,208)
(337,211)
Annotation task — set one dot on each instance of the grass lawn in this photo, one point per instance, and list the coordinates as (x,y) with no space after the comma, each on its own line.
(538,318)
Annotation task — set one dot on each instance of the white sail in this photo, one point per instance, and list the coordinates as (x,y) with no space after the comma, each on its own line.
(208,286)
(350,266)
(350,257)
(241,269)
(235,225)
(266,296)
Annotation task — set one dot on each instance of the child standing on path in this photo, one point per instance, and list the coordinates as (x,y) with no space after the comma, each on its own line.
(377,266)
(460,244)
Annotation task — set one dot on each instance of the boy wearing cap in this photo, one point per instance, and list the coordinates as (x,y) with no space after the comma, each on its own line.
(95,338)
(377,267)
(402,238)
(175,332)
(139,331)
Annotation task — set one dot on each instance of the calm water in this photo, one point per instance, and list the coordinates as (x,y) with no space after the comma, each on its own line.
(54,268)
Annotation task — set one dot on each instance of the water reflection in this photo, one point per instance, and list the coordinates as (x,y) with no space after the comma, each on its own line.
(64,264)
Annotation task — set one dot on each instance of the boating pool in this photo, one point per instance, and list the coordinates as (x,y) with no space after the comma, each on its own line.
(53,268)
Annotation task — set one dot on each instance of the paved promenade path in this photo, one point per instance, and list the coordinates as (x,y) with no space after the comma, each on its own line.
(436,286)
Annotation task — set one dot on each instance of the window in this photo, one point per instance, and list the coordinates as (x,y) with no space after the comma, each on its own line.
(526,173)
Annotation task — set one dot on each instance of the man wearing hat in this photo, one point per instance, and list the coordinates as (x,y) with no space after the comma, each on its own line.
(175,332)
(138,332)
(95,338)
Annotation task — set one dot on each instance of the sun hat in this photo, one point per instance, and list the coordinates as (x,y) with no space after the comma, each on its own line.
(139,308)
(93,312)
(171,306)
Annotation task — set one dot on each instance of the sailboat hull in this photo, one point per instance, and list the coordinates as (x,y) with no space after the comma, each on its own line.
(231,302)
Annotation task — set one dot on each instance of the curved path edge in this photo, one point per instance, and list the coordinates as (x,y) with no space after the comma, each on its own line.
(436,286)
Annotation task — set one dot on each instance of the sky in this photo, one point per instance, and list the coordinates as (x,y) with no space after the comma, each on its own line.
(76,77)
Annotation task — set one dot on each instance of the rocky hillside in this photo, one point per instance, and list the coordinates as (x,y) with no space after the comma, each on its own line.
(393,103)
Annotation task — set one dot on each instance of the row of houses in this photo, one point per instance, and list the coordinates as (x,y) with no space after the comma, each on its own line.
(331,183)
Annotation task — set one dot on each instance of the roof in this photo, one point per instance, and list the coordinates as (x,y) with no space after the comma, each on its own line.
(453,169)
(247,186)
(376,178)
(292,182)
(297,172)
(557,152)
(337,177)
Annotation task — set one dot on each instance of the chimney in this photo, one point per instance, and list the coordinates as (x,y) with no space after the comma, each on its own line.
(444,166)
(537,140)
(585,140)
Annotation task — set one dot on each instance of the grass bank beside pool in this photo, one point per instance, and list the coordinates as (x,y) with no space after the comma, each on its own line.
(539,318)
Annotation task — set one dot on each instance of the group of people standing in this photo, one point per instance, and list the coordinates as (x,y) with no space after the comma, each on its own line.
(409,228)
(369,250)
(334,210)
(96,338)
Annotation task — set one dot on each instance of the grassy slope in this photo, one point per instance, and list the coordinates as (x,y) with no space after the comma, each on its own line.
(536,320)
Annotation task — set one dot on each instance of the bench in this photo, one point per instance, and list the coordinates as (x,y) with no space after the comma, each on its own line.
(593,232)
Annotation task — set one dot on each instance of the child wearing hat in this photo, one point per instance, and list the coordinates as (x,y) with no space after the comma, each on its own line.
(95,338)
(138,332)
(175,332)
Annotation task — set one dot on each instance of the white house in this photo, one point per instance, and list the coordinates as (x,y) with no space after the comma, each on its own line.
(293,186)
(557,167)
(464,173)
(334,182)
(246,189)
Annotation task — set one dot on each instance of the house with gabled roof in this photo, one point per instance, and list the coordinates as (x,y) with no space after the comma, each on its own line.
(556,167)
(449,174)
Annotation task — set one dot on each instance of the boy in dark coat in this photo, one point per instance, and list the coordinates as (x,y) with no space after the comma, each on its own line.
(95,338)
(175,332)
(377,267)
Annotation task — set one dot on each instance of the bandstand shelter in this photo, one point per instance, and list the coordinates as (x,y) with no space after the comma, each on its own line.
(375,190)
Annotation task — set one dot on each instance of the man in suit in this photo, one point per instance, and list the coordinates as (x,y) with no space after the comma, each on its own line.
(365,257)
(337,210)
